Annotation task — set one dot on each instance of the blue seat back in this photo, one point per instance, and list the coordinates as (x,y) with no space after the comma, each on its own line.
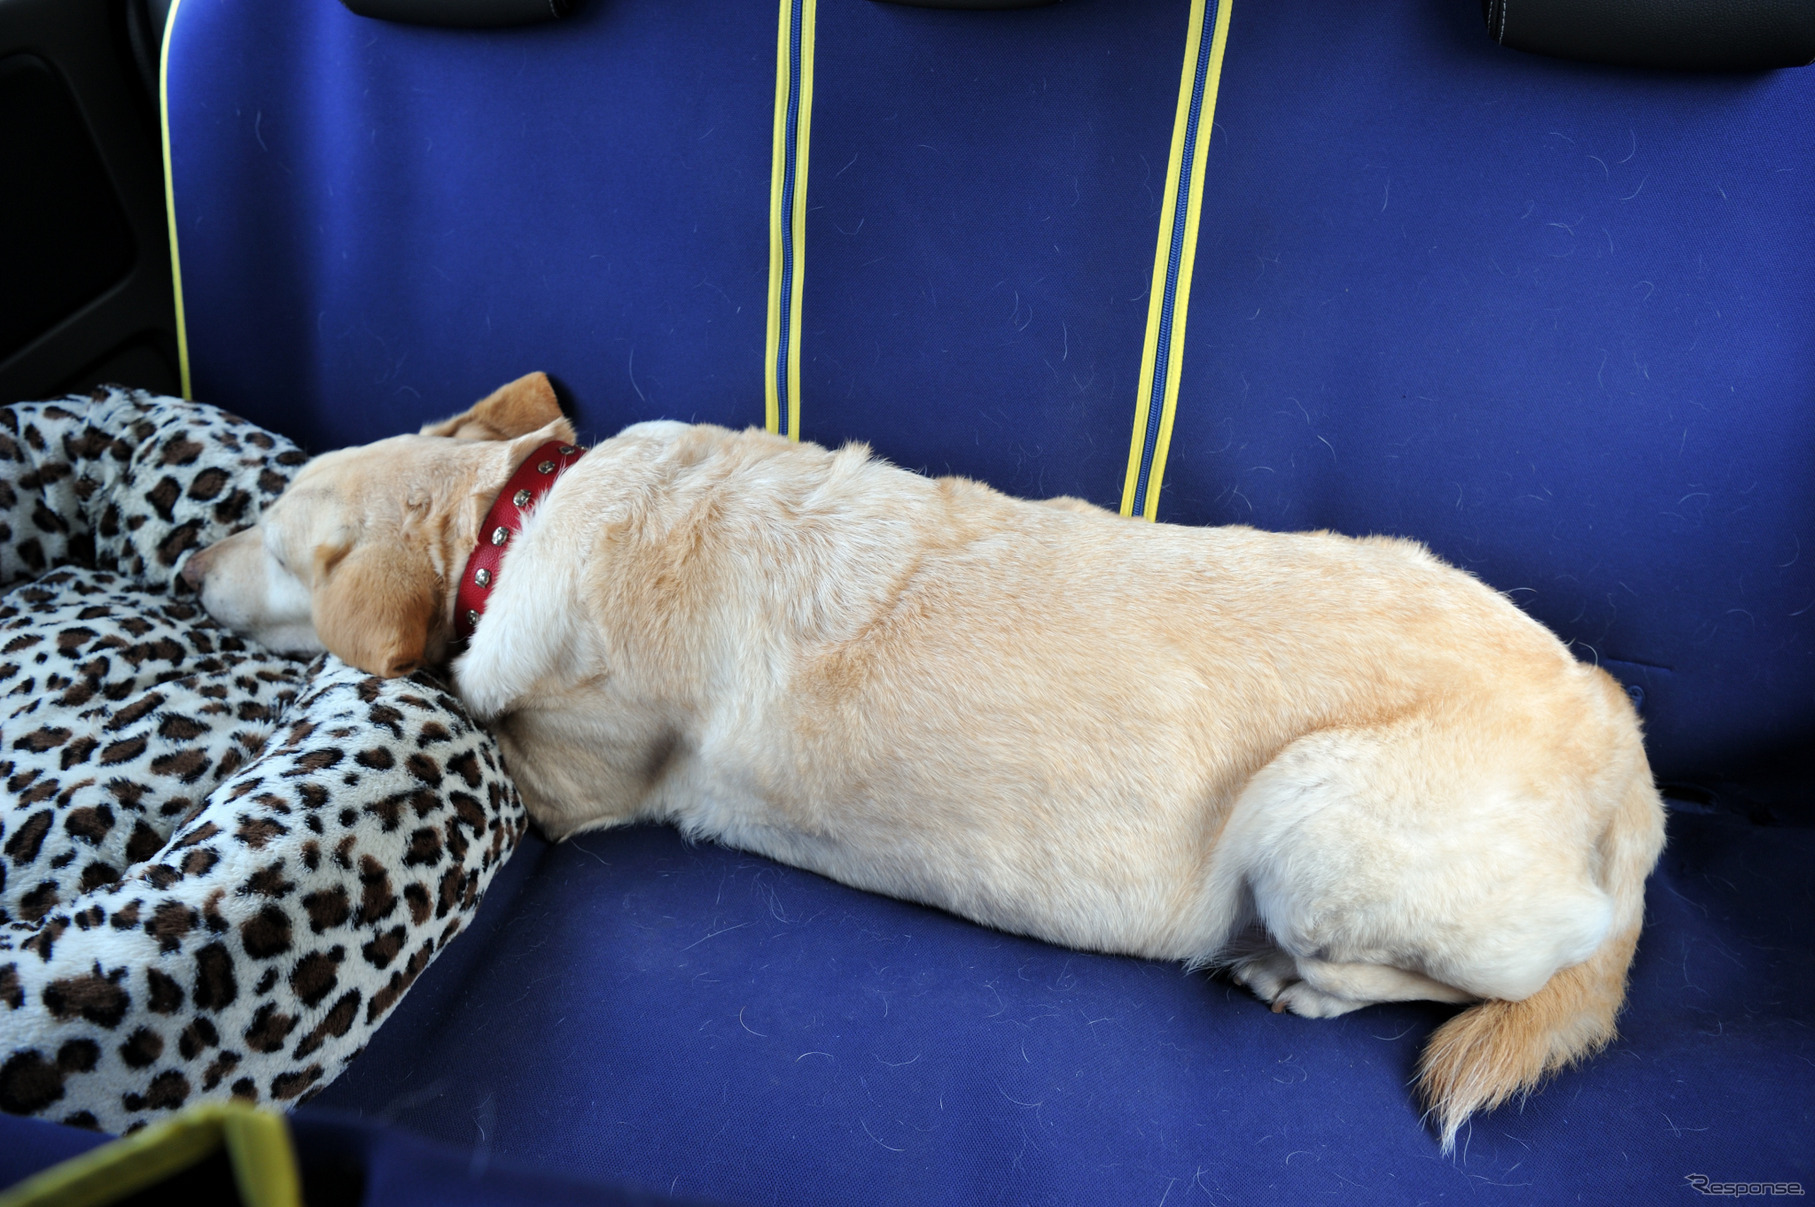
(1556,320)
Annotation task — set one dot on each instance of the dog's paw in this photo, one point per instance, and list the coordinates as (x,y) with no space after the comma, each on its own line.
(1267,975)
(1307,1001)
(1272,976)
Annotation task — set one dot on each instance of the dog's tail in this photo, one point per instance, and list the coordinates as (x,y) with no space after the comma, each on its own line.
(1499,1049)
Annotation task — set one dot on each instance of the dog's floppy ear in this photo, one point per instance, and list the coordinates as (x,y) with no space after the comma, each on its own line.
(375,609)
(509,411)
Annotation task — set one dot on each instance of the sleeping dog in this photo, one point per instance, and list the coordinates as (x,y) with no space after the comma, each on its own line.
(1343,770)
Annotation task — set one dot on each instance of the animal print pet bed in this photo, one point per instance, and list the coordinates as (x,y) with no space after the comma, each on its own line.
(220,869)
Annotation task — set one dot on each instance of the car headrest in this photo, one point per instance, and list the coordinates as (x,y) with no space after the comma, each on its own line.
(1686,35)
(462,13)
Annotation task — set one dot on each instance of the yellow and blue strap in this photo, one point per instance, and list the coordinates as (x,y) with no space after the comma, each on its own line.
(1163,354)
(176,266)
(788,213)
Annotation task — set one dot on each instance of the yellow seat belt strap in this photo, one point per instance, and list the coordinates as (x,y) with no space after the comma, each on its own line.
(176,266)
(1163,354)
(788,214)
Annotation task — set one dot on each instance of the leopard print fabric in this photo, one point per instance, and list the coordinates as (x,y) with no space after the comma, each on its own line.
(220,869)
(128,482)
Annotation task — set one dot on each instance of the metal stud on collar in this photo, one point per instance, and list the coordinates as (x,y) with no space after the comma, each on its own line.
(530,480)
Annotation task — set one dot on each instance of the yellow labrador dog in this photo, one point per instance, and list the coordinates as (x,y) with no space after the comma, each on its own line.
(1341,768)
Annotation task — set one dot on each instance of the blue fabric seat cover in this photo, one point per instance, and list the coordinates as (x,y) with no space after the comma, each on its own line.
(1556,320)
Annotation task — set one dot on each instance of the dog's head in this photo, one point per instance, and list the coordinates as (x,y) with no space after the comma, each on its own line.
(359,556)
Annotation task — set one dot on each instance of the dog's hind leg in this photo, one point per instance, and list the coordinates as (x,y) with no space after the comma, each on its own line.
(1402,862)
(1323,989)
(1494,849)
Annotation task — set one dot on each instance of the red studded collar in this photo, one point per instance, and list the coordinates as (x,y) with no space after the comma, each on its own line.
(533,478)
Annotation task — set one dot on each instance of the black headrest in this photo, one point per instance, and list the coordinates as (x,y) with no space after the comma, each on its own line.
(1688,35)
(974,4)
(466,13)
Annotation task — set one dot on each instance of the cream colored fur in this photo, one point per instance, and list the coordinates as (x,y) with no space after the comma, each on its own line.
(1339,767)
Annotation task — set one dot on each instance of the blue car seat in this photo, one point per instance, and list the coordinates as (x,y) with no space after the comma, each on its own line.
(1297,264)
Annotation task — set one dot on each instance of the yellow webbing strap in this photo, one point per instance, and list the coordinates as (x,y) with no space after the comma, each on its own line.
(788,213)
(257,1143)
(1163,355)
(176,265)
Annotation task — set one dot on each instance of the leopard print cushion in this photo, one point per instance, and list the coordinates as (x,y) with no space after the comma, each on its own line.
(220,869)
